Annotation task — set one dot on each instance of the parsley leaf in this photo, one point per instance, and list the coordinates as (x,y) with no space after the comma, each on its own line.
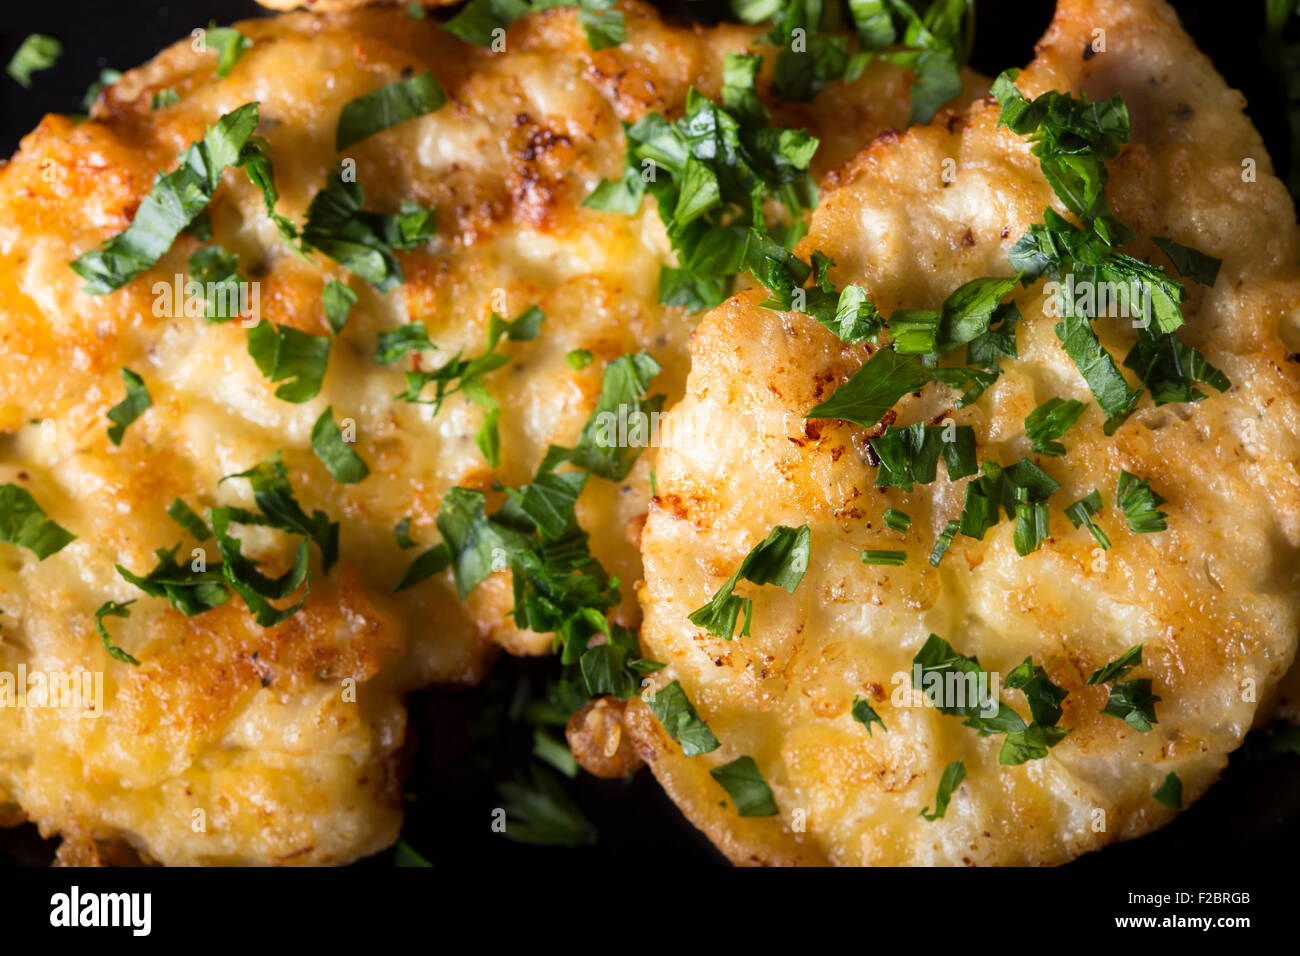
(107,77)
(1195,265)
(113,609)
(866,715)
(466,376)
(255,159)
(428,563)
(873,389)
(620,424)
(1170,792)
(1130,701)
(538,811)
(911,454)
(402,532)
(745,785)
(1073,140)
(959,687)
(479,20)
(163,99)
(130,408)
(781,559)
(184,515)
(386,107)
(710,173)
(282,352)
(1119,667)
(360,240)
(1049,421)
(37,52)
(174,202)
(1139,503)
(1081,512)
(1098,369)
(23,523)
(189,590)
(953,775)
(218,272)
(337,455)
(274,498)
(229,45)
(680,719)
(338,300)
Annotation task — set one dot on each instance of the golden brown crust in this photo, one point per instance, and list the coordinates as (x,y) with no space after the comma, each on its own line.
(1215,599)
(288,739)
(597,737)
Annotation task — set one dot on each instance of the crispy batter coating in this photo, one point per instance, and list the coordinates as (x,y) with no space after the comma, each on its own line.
(261,730)
(1215,598)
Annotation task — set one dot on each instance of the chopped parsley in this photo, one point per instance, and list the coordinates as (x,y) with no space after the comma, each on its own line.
(1141,505)
(466,376)
(710,173)
(1073,140)
(1189,262)
(959,687)
(745,785)
(229,45)
(953,775)
(780,559)
(218,272)
(911,454)
(578,359)
(538,811)
(282,352)
(278,509)
(174,202)
(113,609)
(873,389)
(1081,513)
(559,587)
(23,523)
(337,455)
(1170,792)
(163,99)
(130,408)
(107,77)
(402,532)
(433,561)
(1130,701)
(185,516)
(866,715)
(620,425)
(37,52)
(1050,421)
(187,589)
(479,21)
(386,107)
(680,719)
(360,240)
(815,53)
(338,300)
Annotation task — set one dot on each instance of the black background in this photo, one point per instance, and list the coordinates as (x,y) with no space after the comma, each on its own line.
(1251,816)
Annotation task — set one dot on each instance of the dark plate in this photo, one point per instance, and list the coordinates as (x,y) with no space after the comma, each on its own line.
(1251,815)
